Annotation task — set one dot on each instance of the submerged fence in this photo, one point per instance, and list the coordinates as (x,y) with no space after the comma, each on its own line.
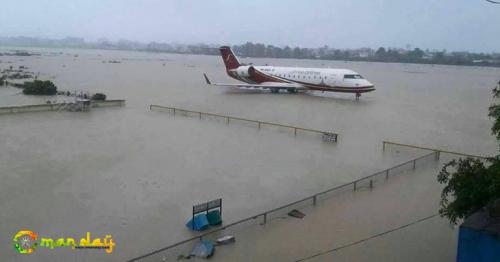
(327,135)
(368,182)
(385,143)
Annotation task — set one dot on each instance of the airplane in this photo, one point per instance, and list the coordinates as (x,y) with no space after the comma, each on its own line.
(291,79)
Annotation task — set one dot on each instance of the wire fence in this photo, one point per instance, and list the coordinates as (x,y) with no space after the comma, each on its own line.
(172,252)
(326,135)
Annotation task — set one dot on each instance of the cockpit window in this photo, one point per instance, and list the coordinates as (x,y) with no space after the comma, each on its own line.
(353,77)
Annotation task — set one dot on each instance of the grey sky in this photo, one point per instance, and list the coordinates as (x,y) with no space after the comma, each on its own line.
(436,24)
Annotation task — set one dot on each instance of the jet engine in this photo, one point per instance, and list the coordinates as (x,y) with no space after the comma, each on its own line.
(245,71)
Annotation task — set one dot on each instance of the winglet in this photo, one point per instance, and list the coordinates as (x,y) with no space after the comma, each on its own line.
(206,79)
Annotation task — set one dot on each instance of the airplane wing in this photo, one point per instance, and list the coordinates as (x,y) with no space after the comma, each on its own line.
(265,85)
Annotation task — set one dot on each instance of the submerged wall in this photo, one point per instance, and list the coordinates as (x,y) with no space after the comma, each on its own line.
(55,107)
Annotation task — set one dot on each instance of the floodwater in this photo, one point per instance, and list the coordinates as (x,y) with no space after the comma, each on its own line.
(135,174)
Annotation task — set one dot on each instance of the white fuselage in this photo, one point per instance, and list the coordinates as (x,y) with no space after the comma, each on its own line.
(325,79)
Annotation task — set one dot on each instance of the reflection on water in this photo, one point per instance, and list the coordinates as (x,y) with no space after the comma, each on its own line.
(135,174)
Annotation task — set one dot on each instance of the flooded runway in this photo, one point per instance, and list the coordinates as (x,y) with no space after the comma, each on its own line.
(135,174)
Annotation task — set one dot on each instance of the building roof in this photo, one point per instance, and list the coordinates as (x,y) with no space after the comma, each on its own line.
(484,221)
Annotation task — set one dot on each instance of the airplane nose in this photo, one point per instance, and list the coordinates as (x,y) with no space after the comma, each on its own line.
(368,84)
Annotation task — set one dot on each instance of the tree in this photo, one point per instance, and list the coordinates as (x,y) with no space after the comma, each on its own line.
(39,87)
(380,52)
(98,96)
(416,53)
(474,183)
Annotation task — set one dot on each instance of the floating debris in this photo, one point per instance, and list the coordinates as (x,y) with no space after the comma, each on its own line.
(203,249)
(225,240)
(296,213)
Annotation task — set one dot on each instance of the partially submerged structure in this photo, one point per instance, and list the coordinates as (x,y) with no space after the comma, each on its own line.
(479,236)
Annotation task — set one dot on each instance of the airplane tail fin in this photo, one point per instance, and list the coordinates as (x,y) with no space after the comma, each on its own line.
(229,58)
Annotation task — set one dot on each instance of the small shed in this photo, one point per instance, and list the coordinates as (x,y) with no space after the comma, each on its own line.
(479,236)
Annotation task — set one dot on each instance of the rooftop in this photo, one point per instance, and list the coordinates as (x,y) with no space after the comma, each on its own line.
(484,220)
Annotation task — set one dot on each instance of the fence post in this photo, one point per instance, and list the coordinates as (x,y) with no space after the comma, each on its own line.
(354,185)
(383,145)
(386,174)
(414,162)
(259,124)
(314,200)
(174,111)
(200,115)
(227,120)
(436,156)
(294,131)
(371,184)
(265,218)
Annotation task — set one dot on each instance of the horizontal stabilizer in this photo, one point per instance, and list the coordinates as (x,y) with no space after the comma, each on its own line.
(206,79)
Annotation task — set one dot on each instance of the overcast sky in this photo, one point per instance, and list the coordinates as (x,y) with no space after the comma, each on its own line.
(435,24)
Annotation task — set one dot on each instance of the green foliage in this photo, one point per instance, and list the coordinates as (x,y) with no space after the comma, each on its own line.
(472,186)
(39,87)
(474,183)
(99,96)
(494,112)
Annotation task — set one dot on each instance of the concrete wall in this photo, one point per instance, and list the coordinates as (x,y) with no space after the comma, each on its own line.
(54,107)
(108,103)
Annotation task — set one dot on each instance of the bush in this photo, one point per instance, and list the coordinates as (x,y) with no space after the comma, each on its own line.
(99,96)
(39,87)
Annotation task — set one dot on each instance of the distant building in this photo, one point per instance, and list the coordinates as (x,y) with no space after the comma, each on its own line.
(479,236)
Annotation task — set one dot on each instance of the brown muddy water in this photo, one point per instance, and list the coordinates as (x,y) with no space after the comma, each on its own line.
(135,174)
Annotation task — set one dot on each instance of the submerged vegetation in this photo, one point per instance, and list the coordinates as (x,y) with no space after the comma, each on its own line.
(98,96)
(474,183)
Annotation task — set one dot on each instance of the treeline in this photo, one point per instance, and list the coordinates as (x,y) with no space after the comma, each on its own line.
(249,49)
(382,54)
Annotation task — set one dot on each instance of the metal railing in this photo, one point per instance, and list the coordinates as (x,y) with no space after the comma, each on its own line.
(365,182)
(327,135)
(384,143)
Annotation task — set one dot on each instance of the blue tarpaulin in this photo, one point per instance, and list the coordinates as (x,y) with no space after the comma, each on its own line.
(200,222)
